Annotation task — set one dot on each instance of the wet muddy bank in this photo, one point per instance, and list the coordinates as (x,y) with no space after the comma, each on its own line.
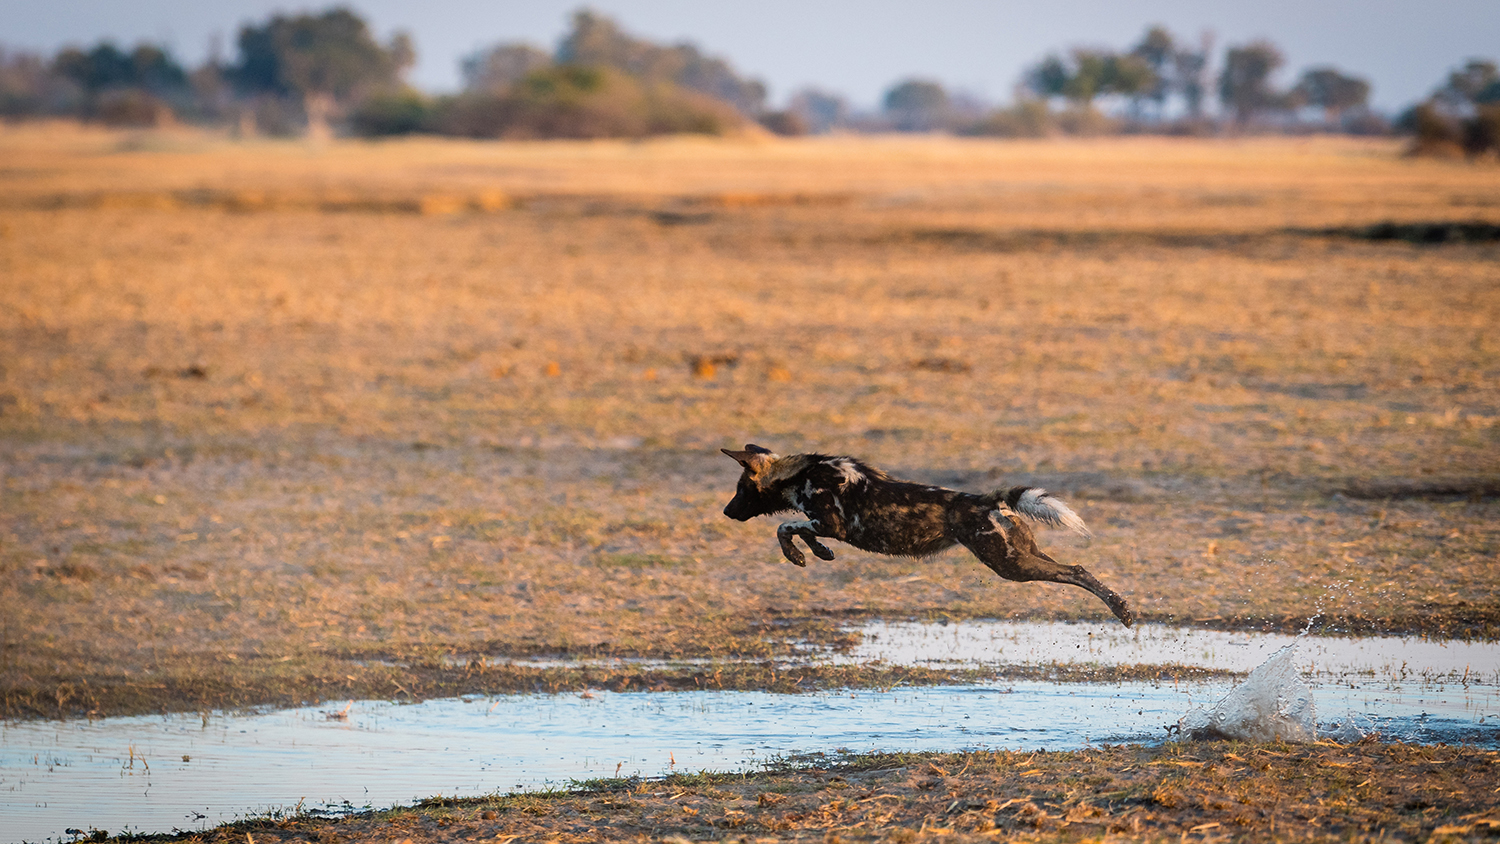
(411,683)
(798,655)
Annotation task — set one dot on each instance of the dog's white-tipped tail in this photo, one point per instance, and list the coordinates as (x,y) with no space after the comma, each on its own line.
(1035,503)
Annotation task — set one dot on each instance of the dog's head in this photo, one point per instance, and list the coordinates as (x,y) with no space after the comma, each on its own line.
(751,496)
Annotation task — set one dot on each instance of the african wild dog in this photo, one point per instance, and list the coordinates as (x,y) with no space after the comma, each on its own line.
(847,500)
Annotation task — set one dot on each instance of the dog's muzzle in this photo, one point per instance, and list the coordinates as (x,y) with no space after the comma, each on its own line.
(736,514)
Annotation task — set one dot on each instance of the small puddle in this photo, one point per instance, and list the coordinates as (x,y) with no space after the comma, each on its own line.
(1381,658)
(187,772)
(988,643)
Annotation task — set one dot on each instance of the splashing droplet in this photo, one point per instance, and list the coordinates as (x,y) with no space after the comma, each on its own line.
(1273,703)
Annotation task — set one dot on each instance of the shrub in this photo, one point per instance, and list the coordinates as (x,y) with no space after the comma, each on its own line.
(579,101)
(396,113)
(1434,133)
(132,107)
(787,123)
(918,105)
(1364,122)
(1087,121)
(1025,119)
(1482,131)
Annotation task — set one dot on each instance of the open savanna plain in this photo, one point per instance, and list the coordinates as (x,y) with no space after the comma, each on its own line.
(282,423)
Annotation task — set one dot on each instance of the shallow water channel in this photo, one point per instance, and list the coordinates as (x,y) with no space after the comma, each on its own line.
(160,773)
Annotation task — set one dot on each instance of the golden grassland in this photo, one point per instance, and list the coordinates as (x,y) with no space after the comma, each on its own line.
(281,422)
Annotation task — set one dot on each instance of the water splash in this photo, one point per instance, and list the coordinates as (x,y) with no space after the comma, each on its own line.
(1273,703)
(1329,589)
(1353,727)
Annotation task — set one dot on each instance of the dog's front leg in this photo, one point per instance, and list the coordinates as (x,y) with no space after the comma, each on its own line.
(808,530)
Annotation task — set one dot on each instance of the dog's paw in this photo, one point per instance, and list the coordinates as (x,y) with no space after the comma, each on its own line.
(823,551)
(795,557)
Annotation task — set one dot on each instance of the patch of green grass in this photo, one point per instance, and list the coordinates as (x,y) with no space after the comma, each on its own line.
(604,784)
(628,560)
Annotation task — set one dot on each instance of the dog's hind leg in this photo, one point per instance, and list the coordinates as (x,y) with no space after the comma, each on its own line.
(1007,548)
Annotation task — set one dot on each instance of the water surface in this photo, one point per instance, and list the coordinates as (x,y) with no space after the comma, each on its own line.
(188,772)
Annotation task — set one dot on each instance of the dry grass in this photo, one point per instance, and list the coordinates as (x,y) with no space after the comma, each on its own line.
(273,417)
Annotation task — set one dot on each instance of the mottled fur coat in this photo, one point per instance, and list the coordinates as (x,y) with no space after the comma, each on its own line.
(852,502)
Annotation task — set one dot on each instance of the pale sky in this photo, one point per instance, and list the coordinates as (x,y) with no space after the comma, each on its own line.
(855,48)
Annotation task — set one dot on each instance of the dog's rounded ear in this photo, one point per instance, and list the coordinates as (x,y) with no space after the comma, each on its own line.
(755,449)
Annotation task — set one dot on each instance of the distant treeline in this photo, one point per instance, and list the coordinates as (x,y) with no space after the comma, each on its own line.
(325,72)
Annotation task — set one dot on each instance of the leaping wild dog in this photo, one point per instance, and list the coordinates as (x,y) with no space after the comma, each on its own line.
(852,502)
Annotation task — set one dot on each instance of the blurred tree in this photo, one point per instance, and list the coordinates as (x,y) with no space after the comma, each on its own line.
(582,101)
(1089,74)
(1175,69)
(1434,131)
(124,88)
(786,122)
(1028,118)
(1462,115)
(327,61)
(94,70)
(146,67)
(1482,131)
(1245,84)
(917,105)
(391,113)
(1089,78)
(1478,81)
(598,40)
(213,96)
(1048,78)
(1189,68)
(502,66)
(1156,47)
(1128,76)
(29,86)
(820,111)
(1332,91)
(1467,90)
(1159,51)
